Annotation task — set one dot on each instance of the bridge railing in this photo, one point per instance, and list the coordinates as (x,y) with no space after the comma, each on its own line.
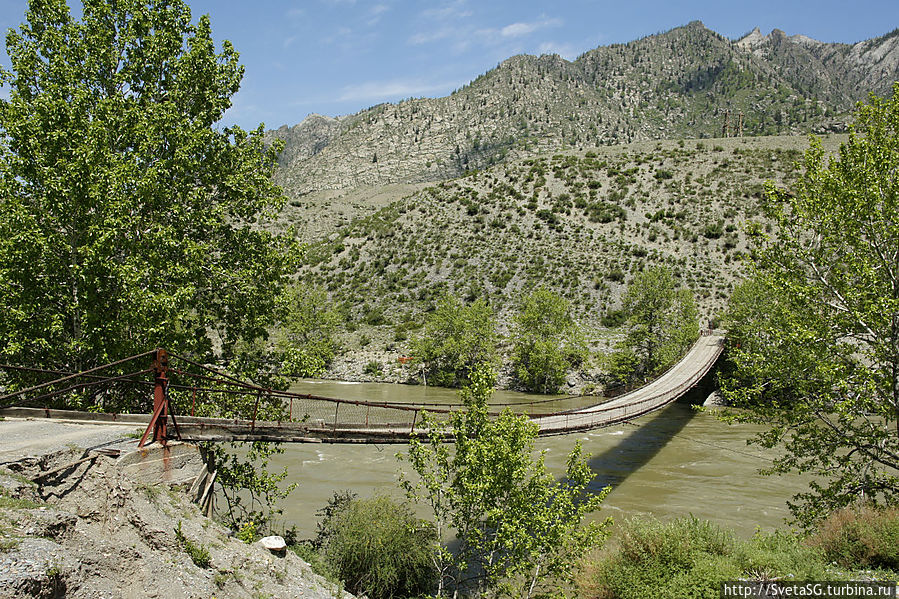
(327,415)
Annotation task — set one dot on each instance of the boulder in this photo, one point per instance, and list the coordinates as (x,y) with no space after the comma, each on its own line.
(275,544)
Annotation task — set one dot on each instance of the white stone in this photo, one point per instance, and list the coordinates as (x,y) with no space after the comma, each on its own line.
(273,543)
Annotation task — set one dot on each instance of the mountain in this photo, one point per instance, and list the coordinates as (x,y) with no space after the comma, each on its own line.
(839,74)
(581,223)
(685,83)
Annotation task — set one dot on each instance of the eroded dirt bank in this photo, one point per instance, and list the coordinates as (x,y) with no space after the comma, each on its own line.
(89,529)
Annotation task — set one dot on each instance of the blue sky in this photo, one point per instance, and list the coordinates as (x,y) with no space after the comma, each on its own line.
(336,57)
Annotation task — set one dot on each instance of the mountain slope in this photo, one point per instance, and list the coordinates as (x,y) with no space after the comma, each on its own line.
(839,74)
(675,84)
(579,223)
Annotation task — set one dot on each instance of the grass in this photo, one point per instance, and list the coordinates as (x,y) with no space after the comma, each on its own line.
(135,434)
(198,554)
(316,561)
(860,536)
(688,557)
(150,491)
(7,502)
(14,503)
(7,541)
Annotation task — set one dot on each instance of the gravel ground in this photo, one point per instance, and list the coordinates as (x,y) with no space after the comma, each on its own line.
(20,438)
(90,531)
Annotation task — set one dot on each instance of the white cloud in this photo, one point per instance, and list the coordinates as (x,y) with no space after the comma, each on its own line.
(375,13)
(451,10)
(566,51)
(384,90)
(519,29)
(433,36)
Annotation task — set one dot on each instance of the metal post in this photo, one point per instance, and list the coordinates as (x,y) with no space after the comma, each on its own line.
(193,403)
(160,400)
(336,407)
(161,366)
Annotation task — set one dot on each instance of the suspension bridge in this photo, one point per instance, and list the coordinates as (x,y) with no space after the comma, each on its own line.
(174,381)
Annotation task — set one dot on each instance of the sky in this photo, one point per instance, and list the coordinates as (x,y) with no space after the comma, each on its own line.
(336,57)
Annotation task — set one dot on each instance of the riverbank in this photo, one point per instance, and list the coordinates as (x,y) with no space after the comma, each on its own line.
(89,529)
(392,366)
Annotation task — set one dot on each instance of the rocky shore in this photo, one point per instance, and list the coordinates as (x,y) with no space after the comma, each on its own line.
(86,528)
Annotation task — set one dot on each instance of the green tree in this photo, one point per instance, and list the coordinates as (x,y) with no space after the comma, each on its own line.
(378,547)
(129,217)
(455,339)
(814,334)
(662,320)
(308,342)
(516,526)
(546,341)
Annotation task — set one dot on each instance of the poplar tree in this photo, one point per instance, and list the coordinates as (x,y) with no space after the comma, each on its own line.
(814,333)
(128,214)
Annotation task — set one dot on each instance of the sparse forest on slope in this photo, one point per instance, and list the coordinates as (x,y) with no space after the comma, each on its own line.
(670,85)
(838,74)
(581,224)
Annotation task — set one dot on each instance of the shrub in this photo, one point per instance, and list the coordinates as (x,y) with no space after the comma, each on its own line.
(688,557)
(199,555)
(373,368)
(379,548)
(713,230)
(860,536)
(616,275)
(614,318)
(248,532)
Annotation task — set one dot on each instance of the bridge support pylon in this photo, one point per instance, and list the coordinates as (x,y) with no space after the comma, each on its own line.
(160,400)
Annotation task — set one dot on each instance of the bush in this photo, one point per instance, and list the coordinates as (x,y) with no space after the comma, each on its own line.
(688,557)
(373,368)
(379,548)
(860,536)
(713,230)
(198,554)
(614,318)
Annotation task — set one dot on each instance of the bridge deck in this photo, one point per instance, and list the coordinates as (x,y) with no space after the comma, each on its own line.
(662,391)
(401,423)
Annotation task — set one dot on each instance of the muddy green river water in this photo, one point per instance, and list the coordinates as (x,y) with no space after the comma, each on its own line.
(674,462)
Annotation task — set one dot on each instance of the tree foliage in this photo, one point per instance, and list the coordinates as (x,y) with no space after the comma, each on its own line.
(308,342)
(456,338)
(662,322)
(814,333)
(128,215)
(547,341)
(129,218)
(378,547)
(516,526)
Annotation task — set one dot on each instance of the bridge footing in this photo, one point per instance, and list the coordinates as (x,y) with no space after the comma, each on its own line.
(176,464)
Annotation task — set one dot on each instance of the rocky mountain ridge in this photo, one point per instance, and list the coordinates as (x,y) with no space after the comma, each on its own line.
(689,82)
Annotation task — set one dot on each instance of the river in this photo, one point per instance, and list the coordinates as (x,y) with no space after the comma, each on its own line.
(675,462)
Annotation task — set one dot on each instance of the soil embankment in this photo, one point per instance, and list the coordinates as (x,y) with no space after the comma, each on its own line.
(75,523)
